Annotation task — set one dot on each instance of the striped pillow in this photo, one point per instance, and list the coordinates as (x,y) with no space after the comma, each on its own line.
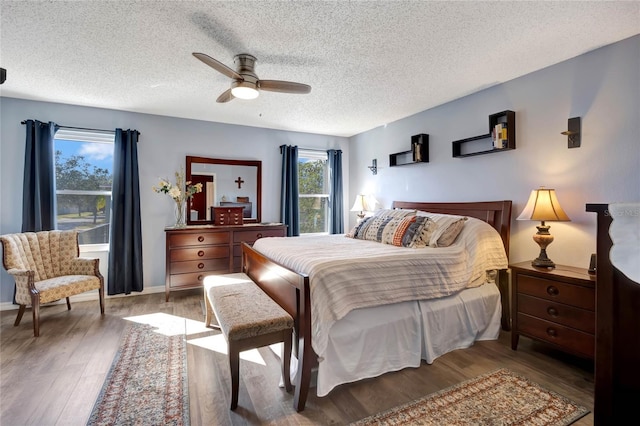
(397,231)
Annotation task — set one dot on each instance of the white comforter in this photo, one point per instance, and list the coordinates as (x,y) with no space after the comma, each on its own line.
(346,274)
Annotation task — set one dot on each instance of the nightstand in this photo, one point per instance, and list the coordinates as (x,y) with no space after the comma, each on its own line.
(555,306)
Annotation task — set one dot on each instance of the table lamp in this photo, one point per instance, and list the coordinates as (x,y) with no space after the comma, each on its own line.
(543,205)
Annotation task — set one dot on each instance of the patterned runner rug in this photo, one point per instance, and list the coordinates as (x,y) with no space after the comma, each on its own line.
(147,382)
(497,398)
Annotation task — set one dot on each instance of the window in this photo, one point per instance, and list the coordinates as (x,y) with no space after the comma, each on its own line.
(313,188)
(84,174)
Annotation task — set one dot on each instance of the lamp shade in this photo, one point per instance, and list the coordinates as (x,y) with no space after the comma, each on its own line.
(360,204)
(543,205)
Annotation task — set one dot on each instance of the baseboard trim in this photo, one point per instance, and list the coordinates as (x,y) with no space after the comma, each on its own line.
(88,296)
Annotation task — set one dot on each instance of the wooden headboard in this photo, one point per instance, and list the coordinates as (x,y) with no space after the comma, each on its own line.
(495,213)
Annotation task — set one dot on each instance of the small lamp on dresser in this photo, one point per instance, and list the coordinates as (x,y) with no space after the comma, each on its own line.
(543,205)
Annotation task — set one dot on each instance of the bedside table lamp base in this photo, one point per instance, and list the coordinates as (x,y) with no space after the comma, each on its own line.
(543,238)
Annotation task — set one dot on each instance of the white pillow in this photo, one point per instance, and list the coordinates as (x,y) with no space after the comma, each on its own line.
(448,228)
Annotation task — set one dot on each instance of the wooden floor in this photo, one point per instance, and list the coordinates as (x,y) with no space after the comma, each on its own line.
(55,379)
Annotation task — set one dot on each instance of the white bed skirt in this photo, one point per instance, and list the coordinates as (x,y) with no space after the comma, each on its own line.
(373,341)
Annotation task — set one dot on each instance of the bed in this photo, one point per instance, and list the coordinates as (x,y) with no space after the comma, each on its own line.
(438,310)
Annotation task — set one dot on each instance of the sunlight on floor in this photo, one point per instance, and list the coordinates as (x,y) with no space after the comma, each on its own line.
(170,325)
(217,343)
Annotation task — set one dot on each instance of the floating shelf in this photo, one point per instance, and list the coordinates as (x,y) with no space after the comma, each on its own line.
(419,152)
(486,144)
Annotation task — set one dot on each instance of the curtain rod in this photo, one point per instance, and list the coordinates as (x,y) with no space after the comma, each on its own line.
(82,128)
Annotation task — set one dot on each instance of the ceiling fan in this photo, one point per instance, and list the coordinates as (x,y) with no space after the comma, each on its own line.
(246,84)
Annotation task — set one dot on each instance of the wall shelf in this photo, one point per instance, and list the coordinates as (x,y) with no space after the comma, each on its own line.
(490,142)
(419,152)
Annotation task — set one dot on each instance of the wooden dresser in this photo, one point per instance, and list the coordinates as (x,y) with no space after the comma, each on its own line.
(194,252)
(556,306)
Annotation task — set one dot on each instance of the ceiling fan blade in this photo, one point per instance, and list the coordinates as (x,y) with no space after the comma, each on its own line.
(226,96)
(283,86)
(218,66)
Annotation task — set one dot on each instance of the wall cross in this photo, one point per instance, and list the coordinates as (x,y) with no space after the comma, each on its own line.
(239,181)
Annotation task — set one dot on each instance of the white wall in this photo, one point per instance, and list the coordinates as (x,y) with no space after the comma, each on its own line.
(164,143)
(602,87)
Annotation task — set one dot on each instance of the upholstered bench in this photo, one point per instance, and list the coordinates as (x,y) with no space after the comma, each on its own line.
(249,319)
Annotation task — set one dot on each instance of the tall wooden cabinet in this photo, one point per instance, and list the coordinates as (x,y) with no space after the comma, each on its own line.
(194,252)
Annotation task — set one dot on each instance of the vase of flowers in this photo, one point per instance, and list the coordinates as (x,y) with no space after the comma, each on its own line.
(180,192)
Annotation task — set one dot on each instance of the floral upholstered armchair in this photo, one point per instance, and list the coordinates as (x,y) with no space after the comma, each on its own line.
(46,267)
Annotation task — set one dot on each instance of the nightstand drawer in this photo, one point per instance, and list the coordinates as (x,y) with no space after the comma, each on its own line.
(568,294)
(564,337)
(580,319)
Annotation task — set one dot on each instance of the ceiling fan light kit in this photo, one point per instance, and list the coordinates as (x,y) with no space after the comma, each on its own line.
(242,91)
(245,84)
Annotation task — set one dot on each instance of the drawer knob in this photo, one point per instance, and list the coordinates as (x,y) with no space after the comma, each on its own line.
(201,238)
(259,235)
(552,311)
(200,253)
(200,277)
(200,265)
(553,291)
(552,332)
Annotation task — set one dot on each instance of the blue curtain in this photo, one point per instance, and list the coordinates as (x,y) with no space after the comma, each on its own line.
(289,212)
(39,183)
(125,253)
(336,222)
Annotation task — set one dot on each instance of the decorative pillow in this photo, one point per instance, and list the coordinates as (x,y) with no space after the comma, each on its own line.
(395,212)
(352,233)
(448,229)
(397,231)
(423,238)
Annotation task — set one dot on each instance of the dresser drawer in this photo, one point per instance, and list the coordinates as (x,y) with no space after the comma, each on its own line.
(205,265)
(199,239)
(250,237)
(194,279)
(566,338)
(198,253)
(568,294)
(570,316)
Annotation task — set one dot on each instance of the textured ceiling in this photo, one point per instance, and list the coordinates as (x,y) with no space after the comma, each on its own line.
(368,63)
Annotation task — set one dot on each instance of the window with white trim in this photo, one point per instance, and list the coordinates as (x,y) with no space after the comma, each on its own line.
(313,188)
(84,175)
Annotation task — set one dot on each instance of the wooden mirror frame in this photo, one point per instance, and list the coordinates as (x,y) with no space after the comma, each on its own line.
(190,160)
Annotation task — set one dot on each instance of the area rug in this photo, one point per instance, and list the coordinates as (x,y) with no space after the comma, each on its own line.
(497,398)
(147,382)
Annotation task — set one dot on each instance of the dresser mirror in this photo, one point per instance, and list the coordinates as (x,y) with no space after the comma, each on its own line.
(225,183)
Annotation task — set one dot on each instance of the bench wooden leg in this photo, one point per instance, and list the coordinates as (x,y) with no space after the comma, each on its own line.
(285,356)
(234,364)
(68,304)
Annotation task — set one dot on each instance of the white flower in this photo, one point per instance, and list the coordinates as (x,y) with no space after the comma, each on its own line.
(174,193)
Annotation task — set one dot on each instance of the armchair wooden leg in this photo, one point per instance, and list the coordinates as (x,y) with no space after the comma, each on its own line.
(101,295)
(20,313)
(68,304)
(35,307)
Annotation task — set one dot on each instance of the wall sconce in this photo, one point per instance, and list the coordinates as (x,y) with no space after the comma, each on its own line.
(374,166)
(573,133)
